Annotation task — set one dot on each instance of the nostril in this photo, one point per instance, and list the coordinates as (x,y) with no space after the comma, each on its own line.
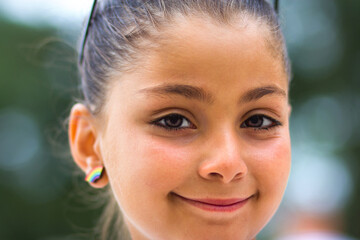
(238,175)
(215,174)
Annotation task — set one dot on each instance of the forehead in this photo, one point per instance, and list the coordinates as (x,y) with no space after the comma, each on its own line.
(225,61)
(195,47)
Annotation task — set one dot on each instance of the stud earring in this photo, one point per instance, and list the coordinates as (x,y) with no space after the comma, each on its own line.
(95,174)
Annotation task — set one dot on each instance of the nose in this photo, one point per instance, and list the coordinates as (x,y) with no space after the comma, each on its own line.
(224,160)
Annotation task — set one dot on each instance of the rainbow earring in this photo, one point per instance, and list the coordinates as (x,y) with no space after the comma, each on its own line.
(95,174)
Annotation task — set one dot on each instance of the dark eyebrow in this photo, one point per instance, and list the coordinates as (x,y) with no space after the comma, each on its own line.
(201,94)
(183,90)
(259,92)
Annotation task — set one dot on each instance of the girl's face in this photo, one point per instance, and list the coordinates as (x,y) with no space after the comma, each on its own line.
(196,141)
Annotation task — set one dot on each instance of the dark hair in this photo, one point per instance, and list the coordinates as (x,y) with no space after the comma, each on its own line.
(124,30)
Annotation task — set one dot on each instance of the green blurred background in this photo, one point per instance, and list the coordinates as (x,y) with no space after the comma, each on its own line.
(43,197)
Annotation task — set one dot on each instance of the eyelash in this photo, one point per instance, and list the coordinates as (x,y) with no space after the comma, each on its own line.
(274,123)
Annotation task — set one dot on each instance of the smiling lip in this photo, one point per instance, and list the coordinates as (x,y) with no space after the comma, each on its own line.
(216,205)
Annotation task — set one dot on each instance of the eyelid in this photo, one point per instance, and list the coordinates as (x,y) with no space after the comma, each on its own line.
(163,112)
(260,111)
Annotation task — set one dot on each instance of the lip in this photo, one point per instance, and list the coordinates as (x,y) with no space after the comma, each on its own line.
(215,205)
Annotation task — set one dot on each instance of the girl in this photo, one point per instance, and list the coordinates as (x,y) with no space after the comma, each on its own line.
(185,116)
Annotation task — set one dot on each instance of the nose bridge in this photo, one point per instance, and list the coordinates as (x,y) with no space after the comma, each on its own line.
(224,159)
(225,145)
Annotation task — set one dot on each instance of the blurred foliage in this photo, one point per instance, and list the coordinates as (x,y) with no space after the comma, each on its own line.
(341,83)
(347,80)
(38,78)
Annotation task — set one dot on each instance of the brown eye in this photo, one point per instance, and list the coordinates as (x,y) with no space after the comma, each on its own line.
(260,122)
(255,121)
(173,122)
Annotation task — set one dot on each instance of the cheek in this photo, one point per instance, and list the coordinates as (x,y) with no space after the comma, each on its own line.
(150,165)
(168,164)
(271,166)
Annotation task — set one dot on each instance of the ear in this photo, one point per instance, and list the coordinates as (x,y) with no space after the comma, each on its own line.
(84,142)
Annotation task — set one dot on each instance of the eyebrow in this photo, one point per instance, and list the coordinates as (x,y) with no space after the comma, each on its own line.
(259,92)
(198,93)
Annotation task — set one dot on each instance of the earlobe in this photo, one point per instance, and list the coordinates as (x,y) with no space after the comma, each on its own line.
(96,175)
(83,139)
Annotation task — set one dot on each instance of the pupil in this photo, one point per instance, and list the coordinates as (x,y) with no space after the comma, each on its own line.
(255,121)
(174,121)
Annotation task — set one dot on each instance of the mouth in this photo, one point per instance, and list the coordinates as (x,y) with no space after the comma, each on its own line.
(215,205)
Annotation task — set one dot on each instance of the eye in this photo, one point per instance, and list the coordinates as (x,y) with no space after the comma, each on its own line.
(173,122)
(260,122)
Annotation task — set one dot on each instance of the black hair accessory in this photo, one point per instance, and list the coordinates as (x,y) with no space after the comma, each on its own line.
(276,6)
(83,42)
